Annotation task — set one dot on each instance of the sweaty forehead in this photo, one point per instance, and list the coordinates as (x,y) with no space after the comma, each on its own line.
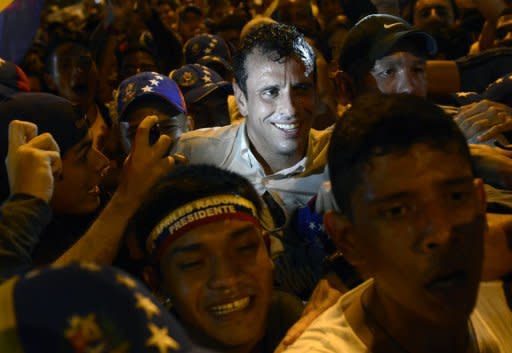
(422,4)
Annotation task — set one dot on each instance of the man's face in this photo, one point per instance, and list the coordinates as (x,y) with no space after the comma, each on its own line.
(420,232)
(75,76)
(191,24)
(137,62)
(429,14)
(171,124)
(278,104)
(219,279)
(77,191)
(399,72)
(211,110)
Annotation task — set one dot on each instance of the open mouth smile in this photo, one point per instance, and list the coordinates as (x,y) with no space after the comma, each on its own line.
(228,308)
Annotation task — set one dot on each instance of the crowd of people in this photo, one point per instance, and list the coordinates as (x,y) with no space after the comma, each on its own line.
(259,176)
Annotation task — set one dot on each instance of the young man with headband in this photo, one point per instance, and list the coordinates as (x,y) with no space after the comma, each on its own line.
(209,257)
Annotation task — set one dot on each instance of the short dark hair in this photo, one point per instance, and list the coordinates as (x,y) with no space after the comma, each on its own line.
(270,39)
(186,184)
(379,124)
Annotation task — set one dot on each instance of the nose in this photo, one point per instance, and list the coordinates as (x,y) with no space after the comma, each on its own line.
(438,229)
(99,161)
(224,275)
(434,14)
(287,104)
(406,82)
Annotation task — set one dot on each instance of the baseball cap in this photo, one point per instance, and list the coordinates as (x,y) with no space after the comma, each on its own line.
(197,81)
(206,48)
(50,113)
(83,307)
(375,35)
(148,84)
(12,79)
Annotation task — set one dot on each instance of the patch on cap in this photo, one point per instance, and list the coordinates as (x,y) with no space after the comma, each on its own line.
(197,81)
(207,45)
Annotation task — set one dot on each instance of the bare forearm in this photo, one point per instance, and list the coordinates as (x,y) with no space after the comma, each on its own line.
(101,242)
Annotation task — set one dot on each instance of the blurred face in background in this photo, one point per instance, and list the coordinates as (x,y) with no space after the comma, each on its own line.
(430,15)
(74,74)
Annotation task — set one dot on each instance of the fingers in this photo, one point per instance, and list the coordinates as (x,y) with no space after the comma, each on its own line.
(471,110)
(20,132)
(45,142)
(55,162)
(142,134)
(495,130)
(484,125)
(179,159)
(162,145)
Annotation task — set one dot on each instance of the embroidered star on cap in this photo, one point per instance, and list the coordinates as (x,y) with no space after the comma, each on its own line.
(160,339)
(146,305)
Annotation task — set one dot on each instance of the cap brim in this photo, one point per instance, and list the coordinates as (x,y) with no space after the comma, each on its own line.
(140,96)
(199,93)
(386,44)
(215,59)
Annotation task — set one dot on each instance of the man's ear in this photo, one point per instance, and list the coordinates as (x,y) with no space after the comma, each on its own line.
(345,87)
(480,194)
(241,100)
(342,233)
(190,123)
(151,278)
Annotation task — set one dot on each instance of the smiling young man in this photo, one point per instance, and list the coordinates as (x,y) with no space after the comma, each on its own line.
(275,147)
(208,256)
(76,195)
(414,221)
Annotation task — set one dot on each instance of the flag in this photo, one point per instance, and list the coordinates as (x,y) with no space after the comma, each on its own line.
(19,21)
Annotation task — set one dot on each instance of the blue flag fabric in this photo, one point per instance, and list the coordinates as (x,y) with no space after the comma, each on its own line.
(19,22)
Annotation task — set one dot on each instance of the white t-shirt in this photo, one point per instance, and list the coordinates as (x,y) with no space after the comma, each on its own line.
(331,332)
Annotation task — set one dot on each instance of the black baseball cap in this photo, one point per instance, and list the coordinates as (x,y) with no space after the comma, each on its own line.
(375,35)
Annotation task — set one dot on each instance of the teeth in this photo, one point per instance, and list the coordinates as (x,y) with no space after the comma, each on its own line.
(94,189)
(287,126)
(228,308)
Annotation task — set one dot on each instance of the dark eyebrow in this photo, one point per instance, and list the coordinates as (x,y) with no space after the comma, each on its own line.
(197,246)
(268,87)
(392,197)
(459,181)
(403,195)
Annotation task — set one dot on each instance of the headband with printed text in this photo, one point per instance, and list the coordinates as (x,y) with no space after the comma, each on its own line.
(196,213)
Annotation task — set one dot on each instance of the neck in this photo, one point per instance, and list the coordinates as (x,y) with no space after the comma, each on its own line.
(401,330)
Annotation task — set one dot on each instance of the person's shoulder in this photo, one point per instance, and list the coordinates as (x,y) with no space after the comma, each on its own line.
(321,136)
(210,134)
(318,146)
(209,145)
(331,332)
(492,318)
